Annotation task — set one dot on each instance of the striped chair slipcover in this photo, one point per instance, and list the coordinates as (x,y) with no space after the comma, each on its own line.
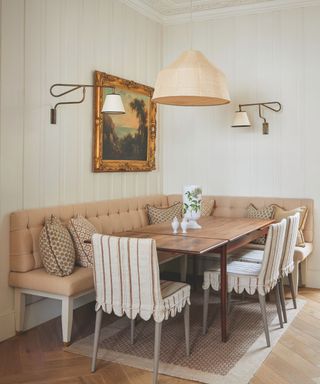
(287,262)
(127,282)
(252,277)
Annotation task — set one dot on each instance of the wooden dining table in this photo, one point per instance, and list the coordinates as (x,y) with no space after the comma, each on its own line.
(220,235)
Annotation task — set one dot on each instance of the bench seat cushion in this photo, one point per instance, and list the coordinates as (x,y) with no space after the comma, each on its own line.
(300,253)
(81,280)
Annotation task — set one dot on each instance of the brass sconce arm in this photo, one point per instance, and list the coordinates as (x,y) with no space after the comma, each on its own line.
(73,87)
(272,105)
(267,105)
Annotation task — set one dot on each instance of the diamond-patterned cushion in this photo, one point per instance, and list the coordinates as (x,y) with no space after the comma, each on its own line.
(56,248)
(157,215)
(280,213)
(81,230)
(207,207)
(262,213)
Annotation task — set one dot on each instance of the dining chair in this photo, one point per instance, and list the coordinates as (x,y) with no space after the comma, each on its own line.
(287,262)
(127,282)
(252,277)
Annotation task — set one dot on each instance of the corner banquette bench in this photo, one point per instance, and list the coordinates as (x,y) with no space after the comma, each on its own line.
(27,275)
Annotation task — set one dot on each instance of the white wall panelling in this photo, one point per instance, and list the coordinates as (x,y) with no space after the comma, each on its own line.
(45,42)
(266,57)
(270,55)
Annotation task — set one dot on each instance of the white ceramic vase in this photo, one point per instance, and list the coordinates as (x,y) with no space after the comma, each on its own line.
(192,196)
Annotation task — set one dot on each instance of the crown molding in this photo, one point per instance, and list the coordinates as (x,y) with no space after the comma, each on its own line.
(247,9)
(144,9)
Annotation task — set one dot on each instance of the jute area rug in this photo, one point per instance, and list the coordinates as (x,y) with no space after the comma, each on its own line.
(211,361)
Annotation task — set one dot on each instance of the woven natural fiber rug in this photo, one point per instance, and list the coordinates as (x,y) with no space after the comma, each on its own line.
(210,361)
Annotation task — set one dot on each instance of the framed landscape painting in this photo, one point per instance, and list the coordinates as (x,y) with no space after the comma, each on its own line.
(127,142)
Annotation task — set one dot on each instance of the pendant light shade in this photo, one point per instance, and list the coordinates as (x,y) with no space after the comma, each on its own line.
(191,80)
(241,120)
(113,104)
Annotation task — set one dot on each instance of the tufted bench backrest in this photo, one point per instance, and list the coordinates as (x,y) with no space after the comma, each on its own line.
(108,217)
(236,206)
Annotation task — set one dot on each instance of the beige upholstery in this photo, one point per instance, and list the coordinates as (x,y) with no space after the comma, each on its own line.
(81,280)
(107,216)
(27,275)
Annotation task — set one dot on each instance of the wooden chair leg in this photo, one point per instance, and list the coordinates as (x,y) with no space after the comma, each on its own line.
(292,289)
(295,281)
(278,304)
(229,301)
(96,339)
(156,357)
(262,301)
(66,319)
(186,315)
(133,325)
(19,308)
(283,301)
(206,293)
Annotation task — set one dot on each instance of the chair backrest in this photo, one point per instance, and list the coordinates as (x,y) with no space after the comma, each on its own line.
(126,273)
(287,264)
(269,273)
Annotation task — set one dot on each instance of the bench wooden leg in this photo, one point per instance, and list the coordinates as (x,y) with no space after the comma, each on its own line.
(19,308)
(66,319)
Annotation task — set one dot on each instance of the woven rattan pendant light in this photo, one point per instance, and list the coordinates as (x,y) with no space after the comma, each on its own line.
(191,80)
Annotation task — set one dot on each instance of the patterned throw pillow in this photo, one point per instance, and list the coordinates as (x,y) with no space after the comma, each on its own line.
(207,207)
(280,213)
(81,229)
(262,213)
(56,248)
(157,215)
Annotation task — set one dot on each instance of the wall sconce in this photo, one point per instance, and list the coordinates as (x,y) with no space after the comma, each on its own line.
(112,103)
(241,118)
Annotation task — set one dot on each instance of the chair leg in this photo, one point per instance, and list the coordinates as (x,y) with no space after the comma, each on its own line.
(262,301)
(229,302)
(156,357)
(206,293)
(96,339)
(278,304)
(183,268)
(133,325)
(292,289)
(295,281)
(19,308)
(283,301)
(186,315)
(66,319)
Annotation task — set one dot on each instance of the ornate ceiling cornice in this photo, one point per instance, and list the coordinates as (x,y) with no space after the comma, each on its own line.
(175,12)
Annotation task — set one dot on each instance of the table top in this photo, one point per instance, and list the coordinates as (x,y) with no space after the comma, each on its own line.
(177,243)
(223,228)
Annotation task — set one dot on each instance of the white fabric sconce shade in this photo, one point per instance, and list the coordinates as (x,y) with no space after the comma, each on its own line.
(113,104)
(241,120)
(191,80)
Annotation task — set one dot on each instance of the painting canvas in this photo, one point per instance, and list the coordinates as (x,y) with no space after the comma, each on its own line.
(124,142)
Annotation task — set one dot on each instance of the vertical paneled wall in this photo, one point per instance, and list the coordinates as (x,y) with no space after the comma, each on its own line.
(266,57)
(45,42)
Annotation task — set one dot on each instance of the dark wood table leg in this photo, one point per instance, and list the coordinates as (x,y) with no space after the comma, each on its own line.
(224,294)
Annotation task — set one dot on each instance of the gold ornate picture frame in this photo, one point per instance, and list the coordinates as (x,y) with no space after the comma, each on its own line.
(124,143)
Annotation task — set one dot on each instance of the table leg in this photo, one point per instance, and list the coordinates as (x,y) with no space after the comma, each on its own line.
(224,294)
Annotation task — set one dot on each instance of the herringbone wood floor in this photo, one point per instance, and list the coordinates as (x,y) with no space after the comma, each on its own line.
(37,356)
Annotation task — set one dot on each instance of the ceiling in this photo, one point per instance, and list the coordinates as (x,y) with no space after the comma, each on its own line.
(177,11)
(178,7)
